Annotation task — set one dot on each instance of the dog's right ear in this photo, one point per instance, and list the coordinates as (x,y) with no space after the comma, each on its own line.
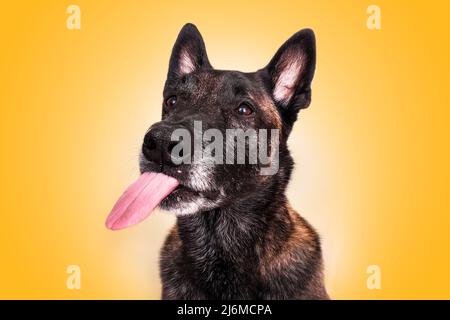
(290,72)
(188,53)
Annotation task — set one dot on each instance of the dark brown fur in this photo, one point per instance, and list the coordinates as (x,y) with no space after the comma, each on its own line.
(243,240)
(215,255)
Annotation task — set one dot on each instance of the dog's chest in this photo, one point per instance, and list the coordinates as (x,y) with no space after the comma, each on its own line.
(208,273)
(225,279)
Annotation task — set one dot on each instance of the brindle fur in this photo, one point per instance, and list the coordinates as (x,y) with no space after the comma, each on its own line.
(249,244)
(263,251)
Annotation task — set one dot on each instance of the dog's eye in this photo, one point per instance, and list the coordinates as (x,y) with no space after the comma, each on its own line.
(244,109)
(171,101)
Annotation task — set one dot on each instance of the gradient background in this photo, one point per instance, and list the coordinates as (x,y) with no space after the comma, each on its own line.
(372,151)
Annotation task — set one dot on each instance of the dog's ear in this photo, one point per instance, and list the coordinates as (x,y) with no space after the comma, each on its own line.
(290,72)
(188,53)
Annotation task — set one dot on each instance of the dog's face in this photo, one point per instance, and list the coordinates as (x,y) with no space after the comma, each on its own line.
(222,100)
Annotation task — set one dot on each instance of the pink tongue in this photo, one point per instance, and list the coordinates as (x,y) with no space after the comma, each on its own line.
(139,200)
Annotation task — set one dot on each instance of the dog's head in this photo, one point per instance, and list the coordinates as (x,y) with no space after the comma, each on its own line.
(199,99)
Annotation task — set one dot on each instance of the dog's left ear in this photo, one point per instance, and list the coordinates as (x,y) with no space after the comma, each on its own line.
(290,72)
(188,53)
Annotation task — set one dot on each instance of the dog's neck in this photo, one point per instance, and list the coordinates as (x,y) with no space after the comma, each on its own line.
(226,251)
(233,232)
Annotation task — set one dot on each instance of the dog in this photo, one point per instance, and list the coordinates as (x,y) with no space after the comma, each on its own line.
(236,235)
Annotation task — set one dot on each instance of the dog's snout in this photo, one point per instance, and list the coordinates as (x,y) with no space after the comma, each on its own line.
(157,146)
(149,141)
(149,148)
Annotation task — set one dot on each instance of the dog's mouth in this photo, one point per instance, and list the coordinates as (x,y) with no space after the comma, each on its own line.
(150,190)
(140,199)
(182,173)
(185,193)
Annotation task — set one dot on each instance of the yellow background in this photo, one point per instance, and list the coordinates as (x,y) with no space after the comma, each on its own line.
(372,151)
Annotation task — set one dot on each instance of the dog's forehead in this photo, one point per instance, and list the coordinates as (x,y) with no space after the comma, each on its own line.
(219,85)
(238,83)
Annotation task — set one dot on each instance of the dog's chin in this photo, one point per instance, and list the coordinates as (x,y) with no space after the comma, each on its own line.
(185,201)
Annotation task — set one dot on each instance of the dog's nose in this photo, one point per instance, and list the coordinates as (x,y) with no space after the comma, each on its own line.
(157,146)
